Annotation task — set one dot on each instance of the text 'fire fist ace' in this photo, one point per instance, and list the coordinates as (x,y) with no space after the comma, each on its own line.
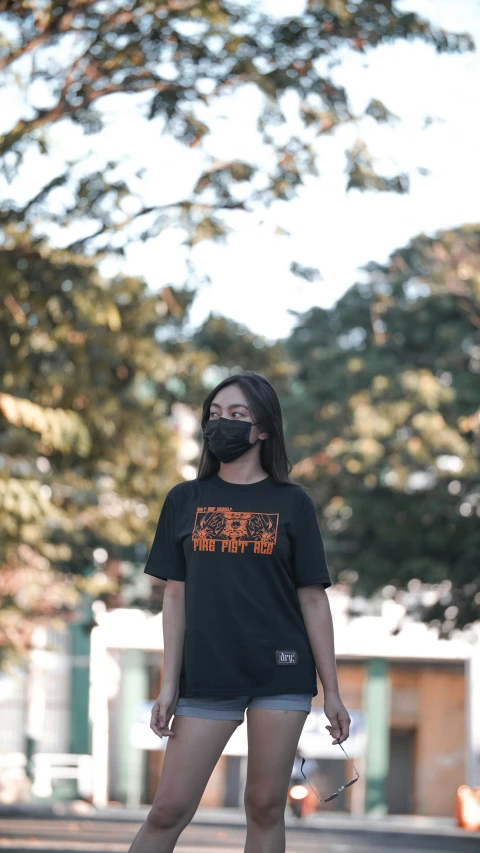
(221,528)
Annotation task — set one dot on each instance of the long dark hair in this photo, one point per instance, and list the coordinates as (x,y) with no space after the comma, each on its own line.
(265,408)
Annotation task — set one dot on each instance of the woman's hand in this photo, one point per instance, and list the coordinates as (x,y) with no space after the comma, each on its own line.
(163,709)
(339,718)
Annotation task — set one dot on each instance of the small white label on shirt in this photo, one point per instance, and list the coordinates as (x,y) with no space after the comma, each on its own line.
(286,657)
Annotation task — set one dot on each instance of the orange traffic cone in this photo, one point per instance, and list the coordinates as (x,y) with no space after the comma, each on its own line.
(467,807)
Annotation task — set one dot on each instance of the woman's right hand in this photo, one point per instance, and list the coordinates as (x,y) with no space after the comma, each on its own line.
(163,709)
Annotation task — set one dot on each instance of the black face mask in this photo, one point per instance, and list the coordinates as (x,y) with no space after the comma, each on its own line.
(228,438)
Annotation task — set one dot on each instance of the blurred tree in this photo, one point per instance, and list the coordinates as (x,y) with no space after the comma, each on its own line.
(186,54)
(233,348)
(89,369)
(87,448)
(385,427)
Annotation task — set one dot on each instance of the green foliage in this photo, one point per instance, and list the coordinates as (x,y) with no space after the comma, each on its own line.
(385,427)
(378,389)
(118,47)
(86,446)
(235,348)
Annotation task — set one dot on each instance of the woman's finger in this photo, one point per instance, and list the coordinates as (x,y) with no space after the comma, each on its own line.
(344,723)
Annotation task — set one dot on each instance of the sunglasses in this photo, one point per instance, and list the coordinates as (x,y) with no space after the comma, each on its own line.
(342,788)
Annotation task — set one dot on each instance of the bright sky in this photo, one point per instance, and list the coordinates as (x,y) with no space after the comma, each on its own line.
(330,229)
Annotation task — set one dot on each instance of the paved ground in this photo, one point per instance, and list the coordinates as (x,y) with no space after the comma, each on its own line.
(58,830)
(100,836)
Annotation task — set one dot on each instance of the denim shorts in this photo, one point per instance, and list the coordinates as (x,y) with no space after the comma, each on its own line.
(215,708)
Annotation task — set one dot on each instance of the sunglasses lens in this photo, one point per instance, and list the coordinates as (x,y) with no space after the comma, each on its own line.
(327,799)
(351,783)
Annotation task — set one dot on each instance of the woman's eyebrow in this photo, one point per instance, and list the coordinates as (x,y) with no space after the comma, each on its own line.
(231,406)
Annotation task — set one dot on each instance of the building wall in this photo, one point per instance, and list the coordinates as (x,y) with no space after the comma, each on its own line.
(427,714)
(440,754)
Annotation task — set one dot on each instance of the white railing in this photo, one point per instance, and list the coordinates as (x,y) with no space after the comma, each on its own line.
(48,766)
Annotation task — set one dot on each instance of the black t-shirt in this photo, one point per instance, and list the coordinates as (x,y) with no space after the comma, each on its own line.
(242,550)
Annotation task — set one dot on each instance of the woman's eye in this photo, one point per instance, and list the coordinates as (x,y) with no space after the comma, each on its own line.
(215,414)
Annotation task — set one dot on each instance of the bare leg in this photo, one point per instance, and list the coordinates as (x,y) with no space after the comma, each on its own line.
(272,742)
(266,838)
(190,758)
(152,839)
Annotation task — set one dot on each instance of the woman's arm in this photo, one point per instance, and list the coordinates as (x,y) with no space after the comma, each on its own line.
(173,632)
(317,617)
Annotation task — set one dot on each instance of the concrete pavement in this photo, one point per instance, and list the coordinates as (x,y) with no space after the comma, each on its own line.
(328,821)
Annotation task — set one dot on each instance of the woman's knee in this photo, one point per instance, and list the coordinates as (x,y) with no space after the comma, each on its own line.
(168,814)
(263,807)
(187,766)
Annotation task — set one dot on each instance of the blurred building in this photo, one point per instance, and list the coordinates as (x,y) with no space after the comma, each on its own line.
(406,691)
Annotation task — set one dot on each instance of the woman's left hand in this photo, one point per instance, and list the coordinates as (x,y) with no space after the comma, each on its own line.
(339,718)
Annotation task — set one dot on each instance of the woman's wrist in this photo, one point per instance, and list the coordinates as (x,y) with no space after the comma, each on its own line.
(170,682)
(332,692)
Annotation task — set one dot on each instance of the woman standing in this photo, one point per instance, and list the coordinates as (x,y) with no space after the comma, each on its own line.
(246,619)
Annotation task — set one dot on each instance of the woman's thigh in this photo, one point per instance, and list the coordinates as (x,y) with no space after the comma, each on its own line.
(189,760)
(273,736)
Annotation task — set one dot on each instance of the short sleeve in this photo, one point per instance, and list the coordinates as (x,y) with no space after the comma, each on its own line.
(309,559)
(166,559)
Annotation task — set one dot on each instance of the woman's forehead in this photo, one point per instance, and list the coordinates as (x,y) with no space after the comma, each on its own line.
(230,398)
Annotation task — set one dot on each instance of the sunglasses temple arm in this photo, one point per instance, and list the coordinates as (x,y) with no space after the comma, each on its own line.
(308,783)
(350,760)
(313,789)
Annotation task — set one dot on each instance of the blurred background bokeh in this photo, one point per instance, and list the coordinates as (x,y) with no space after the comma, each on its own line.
(188,190)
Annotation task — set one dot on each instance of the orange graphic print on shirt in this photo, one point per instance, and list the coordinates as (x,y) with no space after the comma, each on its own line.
(235,531)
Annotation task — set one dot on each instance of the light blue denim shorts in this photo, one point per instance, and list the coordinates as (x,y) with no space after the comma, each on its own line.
(214,708)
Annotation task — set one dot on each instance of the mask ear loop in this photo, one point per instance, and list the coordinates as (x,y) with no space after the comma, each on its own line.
(257,439)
